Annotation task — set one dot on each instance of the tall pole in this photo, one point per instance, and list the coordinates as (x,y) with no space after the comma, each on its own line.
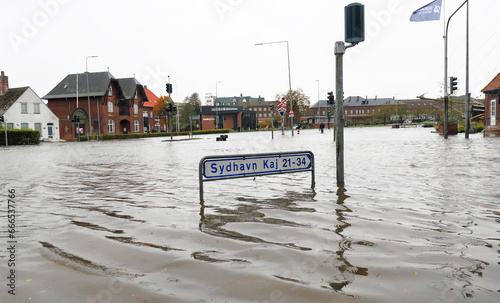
(78,123)
(170,113)
(446,72)
(467,93)
(318,102)
(216,107)
(289,75)
(289,82)
(339,110)
(88,94)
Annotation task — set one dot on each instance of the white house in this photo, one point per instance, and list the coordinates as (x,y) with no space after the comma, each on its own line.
(22,108)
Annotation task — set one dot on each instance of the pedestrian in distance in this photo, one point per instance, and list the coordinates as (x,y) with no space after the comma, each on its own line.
(322,127)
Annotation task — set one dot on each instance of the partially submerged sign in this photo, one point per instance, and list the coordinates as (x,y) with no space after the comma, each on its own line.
(214,168)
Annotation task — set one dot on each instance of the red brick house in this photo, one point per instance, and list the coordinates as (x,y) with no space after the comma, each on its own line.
(116,105)
(492,104)
(151,122)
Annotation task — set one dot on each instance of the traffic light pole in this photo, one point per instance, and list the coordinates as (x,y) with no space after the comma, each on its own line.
(339,110)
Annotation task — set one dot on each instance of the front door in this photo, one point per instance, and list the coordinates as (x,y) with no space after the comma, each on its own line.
(49,129)
(493,115)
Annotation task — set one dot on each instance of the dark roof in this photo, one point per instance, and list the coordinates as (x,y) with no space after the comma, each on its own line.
(129,86)
(98,85)
(230,100)
(359,101)
(11,96)
(493,85)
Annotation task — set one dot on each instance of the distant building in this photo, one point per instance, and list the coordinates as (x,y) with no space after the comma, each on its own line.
(229,117)
(492,102)
(258,105)
(152,123)
(359,109)
(116,105)
(22,108)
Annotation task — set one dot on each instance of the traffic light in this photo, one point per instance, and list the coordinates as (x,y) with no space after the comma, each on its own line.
(272,107)
(77,119)
(453,84)
(331,98)
(1,119)
(169,108)
(169,88)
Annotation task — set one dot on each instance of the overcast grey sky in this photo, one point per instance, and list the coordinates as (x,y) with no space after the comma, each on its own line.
(201,42)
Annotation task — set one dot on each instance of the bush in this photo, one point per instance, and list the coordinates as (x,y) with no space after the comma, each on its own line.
(428,124)
(151,135)
(20,137)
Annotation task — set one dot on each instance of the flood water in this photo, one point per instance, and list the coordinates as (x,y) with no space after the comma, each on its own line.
(121,221)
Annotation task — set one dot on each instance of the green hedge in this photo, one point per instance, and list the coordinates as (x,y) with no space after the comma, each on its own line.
(20,136)
(150,135)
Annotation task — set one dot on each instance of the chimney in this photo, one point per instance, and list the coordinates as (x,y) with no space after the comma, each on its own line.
(4,83)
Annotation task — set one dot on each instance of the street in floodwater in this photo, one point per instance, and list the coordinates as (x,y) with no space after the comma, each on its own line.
(121,221)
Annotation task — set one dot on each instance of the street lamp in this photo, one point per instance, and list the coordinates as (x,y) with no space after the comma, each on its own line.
(88,94)
(318,100)
(216,106)
(289,75)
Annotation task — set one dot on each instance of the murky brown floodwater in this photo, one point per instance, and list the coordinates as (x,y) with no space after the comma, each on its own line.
(120,221)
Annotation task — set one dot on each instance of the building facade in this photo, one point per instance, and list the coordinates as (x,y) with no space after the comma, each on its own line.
(228,117)
(22,108)
(492,102)
(97,103)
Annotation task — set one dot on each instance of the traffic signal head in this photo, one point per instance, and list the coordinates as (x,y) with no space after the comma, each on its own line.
(453,84)
(169,108)
(331,98)
(1,119)
(169,88)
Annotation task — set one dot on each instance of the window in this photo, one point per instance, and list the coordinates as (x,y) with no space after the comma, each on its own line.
(151,114)
(10,125)
(265,115)
(137,127)
(24,125)
(260,115)
(38,127)
(110,107)
(110,91)
(36,108)
(24,108)
(111,126)
(136,109)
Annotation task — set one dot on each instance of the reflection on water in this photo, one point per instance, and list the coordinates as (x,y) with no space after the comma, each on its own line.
(120,221)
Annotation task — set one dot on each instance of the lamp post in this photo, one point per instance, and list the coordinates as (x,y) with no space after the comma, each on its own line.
(445,127)
(318,100)
(289,75)
(216,107)
(88,94)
